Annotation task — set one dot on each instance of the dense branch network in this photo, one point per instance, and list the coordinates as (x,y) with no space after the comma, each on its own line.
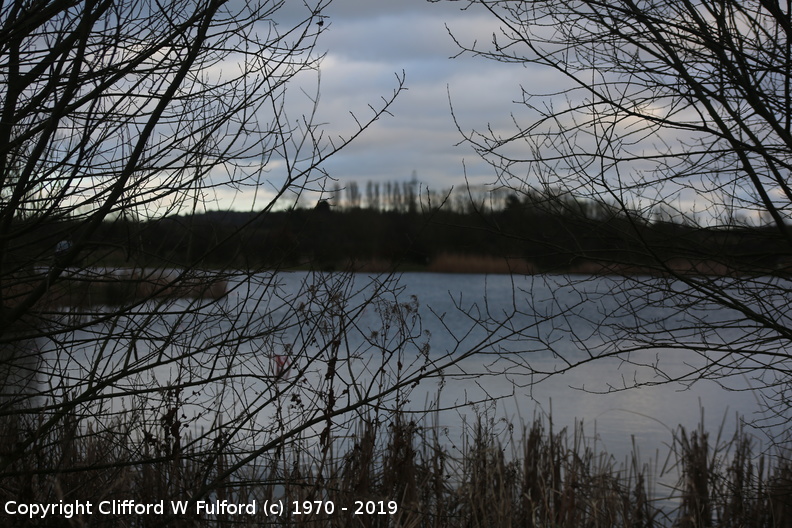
(670,112)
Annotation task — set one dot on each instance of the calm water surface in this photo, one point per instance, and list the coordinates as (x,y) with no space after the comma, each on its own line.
(522,327)
(585,393)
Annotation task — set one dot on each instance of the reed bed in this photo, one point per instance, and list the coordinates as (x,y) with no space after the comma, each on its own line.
(90,288)
(130,286)
(459,263)
(405,474)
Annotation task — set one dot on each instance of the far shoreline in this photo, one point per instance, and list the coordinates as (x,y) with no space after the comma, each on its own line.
(492,265)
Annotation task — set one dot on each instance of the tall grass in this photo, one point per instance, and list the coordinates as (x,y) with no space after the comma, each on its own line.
(530,477)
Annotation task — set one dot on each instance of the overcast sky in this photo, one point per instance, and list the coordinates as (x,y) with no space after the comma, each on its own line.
(367,43)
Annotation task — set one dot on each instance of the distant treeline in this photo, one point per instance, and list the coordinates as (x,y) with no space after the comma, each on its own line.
(531,232)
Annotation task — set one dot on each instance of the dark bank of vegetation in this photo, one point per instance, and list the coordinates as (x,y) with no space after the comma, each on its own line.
(407,474)
(535,232)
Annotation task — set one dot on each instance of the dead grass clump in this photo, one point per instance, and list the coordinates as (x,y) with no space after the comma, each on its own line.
(779,492)
(725,484)
(697,469)
(554,479)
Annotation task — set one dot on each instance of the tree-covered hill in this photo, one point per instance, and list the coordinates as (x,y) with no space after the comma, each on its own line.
(533,233)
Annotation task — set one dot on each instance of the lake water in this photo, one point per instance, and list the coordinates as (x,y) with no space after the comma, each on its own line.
(583,393)
(505,345)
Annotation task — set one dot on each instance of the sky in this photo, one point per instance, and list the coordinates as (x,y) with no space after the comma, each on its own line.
(367,43)
(367,47)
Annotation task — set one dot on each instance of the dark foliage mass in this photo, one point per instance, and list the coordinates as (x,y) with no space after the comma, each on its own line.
(543,234)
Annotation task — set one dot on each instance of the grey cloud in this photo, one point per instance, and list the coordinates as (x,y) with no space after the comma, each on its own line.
(365,43)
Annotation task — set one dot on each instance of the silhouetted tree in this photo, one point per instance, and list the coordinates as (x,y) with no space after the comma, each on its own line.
(142,346)
(677,110)
(353,195)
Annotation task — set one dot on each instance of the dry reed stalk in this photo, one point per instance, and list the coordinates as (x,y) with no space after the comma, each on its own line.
(779,492)
(696,505)
(553,478)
